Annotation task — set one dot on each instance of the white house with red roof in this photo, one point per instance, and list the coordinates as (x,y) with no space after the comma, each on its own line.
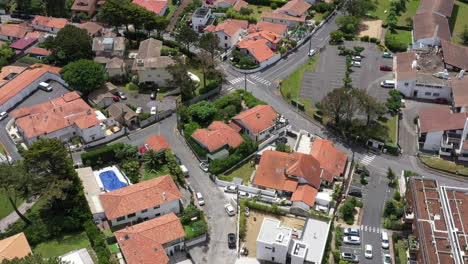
(158,7)
(229,32)
(141,201)
(259,49)
(257,122)
(279,29)
(49,24)
(13,32)
(152,241)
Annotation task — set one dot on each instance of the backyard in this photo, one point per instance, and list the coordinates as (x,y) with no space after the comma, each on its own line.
(383,8)
(258,9)
(403,36)
(244,172)
(154,173)
(61,245)
(458,20)
(443,164)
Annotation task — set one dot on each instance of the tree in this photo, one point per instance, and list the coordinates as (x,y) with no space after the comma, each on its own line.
(202,112)
(35,259)
(156,23)
(394,101)
(205,63)
(390,208)
(210,43)
(390,173)
(187,36)
(84,75)
(397,196)
(115,13)
(15,182)
(369,106)
(70,44)
(409,21)
(359,8)
(245,11)
(282,147)
(154,159)
(6,55)
(358,50)
(464,35)
(181,79)
(347,210)
(336,37)
(348,24)
(392,20)
(333,105)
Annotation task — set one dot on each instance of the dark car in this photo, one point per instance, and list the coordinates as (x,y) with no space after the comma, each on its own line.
(15,15)
(441,101)
(153,96)
(386,68)
(355,193)
(232,240)
(291,134)
(360,170)
(25,16)
(282,140)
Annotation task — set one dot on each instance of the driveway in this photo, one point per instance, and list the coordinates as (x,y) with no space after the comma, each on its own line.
(144,100)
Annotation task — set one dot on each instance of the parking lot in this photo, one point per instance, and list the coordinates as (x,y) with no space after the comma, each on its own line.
(331,71)
(143,100)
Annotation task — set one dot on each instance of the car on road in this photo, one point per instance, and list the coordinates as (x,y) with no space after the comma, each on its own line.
(351,232)
(387,84)
(441,101)
(291,134)
(353,240)
(45,86)
(153,110)
(122,95)
(368,251)
(384,237)
(349,257)
(360,170)
(231,240)
(356,63)
(387,259)
(201,200)
(355,193)
(386,68)
(229,209)
(356,58)
(153,95)
(3,115)
(139,110)
(204,166)
(243,194)
(25,16)
(230,189)
(115,98)
(282,140)
(312,52)
(387,55)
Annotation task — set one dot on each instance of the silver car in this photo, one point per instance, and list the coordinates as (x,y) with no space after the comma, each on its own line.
(353,240)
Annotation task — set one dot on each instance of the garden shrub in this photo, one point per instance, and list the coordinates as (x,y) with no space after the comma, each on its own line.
(98,242)
(373,40)
(273,209)
(365,38)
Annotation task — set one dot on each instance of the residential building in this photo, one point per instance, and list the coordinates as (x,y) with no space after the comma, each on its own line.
(217,138)
(8,72)
(272,40)
(258,122)
(38,53)
(78,256)
(150,66)
(104,96)
(65,117)
(460,94)
(157,143)
(94,29)
(279,29)
(122,114)
(240,4)
(260,49)
(39,35)
(152,241)
(25,83)
(49,24)
(87,7)
(438,217)
(236,4)
(116,67)
(21,45)
(430,24)
(158,7)
(282,244)
(330,158)
(201,18)
(15,246)
(455,57)
(13,32)
(229,32)
(92,191)
(297,8)
(281,18)
(141,201)
(109,46)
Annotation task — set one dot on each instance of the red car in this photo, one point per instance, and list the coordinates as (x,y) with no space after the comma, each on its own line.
(441,101)
(386,68)
(116,98)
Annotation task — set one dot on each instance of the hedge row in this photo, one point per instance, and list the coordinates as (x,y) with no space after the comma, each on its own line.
(174,168)
(211,85)
(279,3)
(104,155)
(242,219)
(98,242)
(175,45)
(273,209)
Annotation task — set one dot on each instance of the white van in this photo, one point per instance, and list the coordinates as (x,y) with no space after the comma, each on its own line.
(45,86)
(387,84)
(385,243)
(184,170)
(200,199)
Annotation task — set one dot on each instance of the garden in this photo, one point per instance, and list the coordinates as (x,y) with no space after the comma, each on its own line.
(194,222)
(242,172)
(348,210)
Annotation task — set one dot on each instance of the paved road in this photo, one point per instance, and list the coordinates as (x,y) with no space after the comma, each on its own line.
(13,217)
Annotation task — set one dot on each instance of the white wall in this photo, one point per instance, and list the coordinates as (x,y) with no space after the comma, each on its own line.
(92,133)
(433,141)
(172,249)
(279,21)
(270,60)
(42,28)
(172,206)
(405,87)
(409,87)
(265,252)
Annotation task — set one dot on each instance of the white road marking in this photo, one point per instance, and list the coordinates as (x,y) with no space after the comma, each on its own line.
(367,159)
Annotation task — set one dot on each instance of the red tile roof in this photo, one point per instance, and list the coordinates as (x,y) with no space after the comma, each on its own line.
(455,55)
(460,91)
(306,167)
(35,34)
(54,115)
(23,43)
(157,143)
(306,194)
(298,7)
(39,51)
(404,69)
(230,26)
(91,27)
(425,25)
(143,243)
(279,16)
(50,22)
(15,246)
(217,136)
(257,48)
(270,36)
(140,196)
(24,79)
(330,158)
(257,119)
(240,4)
(13,30)
(155,6)
(271,171)
(279,29)
(440,119)
(8,71)
(443,7)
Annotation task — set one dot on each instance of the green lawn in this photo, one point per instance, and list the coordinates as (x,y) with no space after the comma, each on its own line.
(444,165)
(258,10)
(244,172)
(171,8)
(458,20)
(391,124)
(381,7)
(59,246)
(150,174)
(384,5)
(199,74)
(192,230)
(400,252)
(5,205)
(401,35)
(114,248)
(291,86)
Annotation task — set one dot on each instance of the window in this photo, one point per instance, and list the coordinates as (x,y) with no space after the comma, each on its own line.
(144,211)
(121,218)
(158,214)
(435,94)
(406,83)
(225,37)
(157,207)
(225,45)
(131,215)
(149,75)
(273,259)
(273,250)
(427,93)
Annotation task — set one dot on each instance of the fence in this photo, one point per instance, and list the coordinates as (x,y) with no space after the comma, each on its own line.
(204,96)
(155,118)
(244,188)
(194,241)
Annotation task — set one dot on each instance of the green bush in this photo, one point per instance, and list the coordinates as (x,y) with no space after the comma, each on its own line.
(174,167)
(242,219)
(365,38)
(392,148)
(273,209)
(336,256)
(167,51)
(98,242)
(338,237)
(394,44)
(236,155)
(143,116)
(101,155)
(373,40)
(210,85)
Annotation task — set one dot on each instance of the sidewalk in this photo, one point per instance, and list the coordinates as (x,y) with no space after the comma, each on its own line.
(13,217)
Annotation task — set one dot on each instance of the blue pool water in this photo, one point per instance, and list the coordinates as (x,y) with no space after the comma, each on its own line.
(110,180)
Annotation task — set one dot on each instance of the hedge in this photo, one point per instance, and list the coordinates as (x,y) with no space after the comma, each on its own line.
(98,242)
(174,168)
(236,155)
(211,85)
(242,219)
(273,209)
(104,155)
(279,3)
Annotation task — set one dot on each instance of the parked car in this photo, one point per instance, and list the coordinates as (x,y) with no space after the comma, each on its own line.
(353,240)
(184,170)
(229,209)
(282,140)
(45,86)
(351,232)
(204,166)
(291,134)
(312,52)
(387,84)
(201,200)
(356,63)
(387,259)
(143,150)
(387,55)
(3,115)
(441,101)
(385,243)
(122,95)
(153,110)
(230,189)
(386,68)
(116,98)
(244,194)
(360,170)
(139,110)
(25,16)
(356,58)
(15,15)
(355,193)
(231,240)
(247,211)
(349,257)
(153,96)
(368,251)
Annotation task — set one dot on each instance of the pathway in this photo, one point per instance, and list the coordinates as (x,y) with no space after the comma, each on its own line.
(13,217)
(176,15)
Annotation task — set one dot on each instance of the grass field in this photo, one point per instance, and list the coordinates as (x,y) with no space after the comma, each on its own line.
(291,86)
(384,5)
(458,20)
(401,35)
(59,246)
(5,205)
(244,172)
(444,165)
(2,149)
(199,74)
(258,10)
(150,174)
(391,124)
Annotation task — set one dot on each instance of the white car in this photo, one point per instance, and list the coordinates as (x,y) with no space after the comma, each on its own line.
(204,166)
(45,86)
(153,110)
(244,194)
(139,110)
(356,58)
(353,240)
(385,242)
(200,199)
(356,63)
(229,209)
(230,189)
(387,259)
(311,52)
(368,251)
(3,115)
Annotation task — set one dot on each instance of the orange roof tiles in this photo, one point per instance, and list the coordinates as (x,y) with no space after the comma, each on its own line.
(240,4)
(15,246)
(257,119)
(305,193)
(14,30)
(257,48)
(9,70)
(50,22)
(39,51)
(140,196)
(330,158)
(298,7)
(35,34)
(460,91)
(230,26)
(155,6)
(440,119)
(279,16)
(279,29)
(306,167)
(91,27)
(270,36)
(24,79)
(157,143)
(455,55)
(217,136)
(54,115)
(271,171)
(143,243)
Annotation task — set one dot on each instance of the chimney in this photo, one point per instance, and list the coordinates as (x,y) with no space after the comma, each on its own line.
(258,115)
(164,196)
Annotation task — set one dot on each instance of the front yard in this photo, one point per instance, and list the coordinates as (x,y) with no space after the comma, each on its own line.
(155,173)
(458,20)
(244,172)
(61,245)
(258,10)
(442,164)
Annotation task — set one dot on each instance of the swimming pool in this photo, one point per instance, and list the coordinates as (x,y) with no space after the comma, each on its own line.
(110,180)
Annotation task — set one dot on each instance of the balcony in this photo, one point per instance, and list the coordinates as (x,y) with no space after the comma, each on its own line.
(445,143)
